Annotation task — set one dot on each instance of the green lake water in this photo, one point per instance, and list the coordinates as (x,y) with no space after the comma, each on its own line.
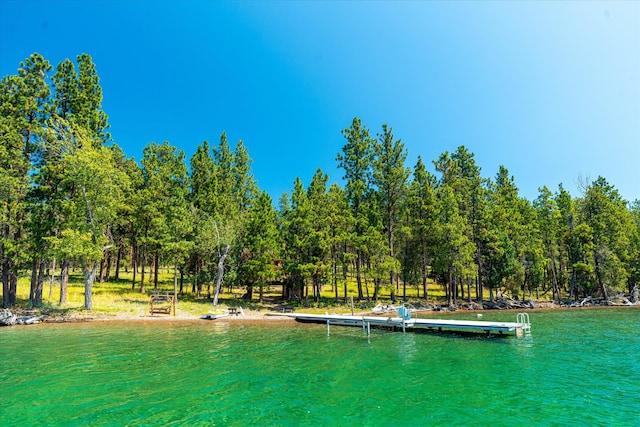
(579,367)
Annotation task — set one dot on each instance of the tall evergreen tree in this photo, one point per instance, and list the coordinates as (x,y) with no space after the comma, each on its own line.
(501,259)
(389,176)
(259,246)
(423,219)
(633,266)
(166,212)
(460,172)
(319,241)
(454,251)
(338,223)
(609,227)
(23,114)
(548,221)
(356,159)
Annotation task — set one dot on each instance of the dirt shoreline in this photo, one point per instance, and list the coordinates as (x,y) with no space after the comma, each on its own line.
(247,319)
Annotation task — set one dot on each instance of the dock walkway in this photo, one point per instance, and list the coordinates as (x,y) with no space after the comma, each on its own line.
(520,327)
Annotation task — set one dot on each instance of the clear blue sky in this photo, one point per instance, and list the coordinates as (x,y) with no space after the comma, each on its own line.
(551,90)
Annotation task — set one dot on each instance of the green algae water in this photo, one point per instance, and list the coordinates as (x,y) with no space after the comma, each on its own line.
(578,367)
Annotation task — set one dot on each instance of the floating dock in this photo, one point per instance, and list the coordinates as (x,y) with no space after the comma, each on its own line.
(404,322)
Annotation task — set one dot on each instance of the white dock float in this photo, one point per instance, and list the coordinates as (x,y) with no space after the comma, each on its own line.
(521,327)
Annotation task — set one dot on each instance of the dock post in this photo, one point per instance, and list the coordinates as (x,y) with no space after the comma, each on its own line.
(368,329)
(328,333)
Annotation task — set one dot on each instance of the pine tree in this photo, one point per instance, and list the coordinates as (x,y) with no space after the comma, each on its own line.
(166,211)
(423,220)
(501,259)
(259,246)
(389,176)
(548,221)
(23,114)
(356,159)
(609,225)
(460,172)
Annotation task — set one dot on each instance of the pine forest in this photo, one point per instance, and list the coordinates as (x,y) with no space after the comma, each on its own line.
(71,198)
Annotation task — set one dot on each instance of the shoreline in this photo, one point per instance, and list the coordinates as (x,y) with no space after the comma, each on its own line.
(257,317)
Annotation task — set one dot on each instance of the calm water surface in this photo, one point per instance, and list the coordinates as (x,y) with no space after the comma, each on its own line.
(578,368)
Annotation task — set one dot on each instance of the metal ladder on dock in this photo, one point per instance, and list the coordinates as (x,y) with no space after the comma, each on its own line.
(523,320)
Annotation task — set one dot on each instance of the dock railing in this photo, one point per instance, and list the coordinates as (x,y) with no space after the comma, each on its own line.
(524,324)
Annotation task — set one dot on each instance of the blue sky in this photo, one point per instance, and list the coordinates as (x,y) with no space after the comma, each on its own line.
(551,90)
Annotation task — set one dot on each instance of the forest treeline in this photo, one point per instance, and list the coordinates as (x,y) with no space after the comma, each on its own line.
(69,196)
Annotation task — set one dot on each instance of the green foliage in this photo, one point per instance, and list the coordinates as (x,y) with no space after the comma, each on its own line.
(259,244)
(68,192)
(606,236)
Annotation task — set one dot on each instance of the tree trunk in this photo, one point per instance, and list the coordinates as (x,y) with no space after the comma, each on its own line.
(316,287)
(89,278)
(334,270)
(359,276)
(603,289)
(102,267)
(479,291)
(40,284)
(196,285)
(134,261)
(448,287)
(144,261)
(175,287)
(51,273)
(118,260)
(423,271)
(454,290)
(5,282)
(306,293)
(156,266)
(5,277)
(404,287)
(13,287)
(554,278)
(392,287)
(108,269)
(9,275)
(345,270)
(225,250)
(34,280)
(64,281)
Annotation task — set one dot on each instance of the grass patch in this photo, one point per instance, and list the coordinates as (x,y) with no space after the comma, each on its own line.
(117,298)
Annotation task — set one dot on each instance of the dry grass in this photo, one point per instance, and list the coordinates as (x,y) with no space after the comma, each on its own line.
(118,299)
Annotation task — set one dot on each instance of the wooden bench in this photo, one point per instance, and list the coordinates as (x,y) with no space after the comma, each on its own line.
(285,308)
(160,304)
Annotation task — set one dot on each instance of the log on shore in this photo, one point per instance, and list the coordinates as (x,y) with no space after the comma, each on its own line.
(506,304)
(7,318)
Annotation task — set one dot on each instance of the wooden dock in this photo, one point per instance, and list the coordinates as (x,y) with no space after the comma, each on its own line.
(521,327)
